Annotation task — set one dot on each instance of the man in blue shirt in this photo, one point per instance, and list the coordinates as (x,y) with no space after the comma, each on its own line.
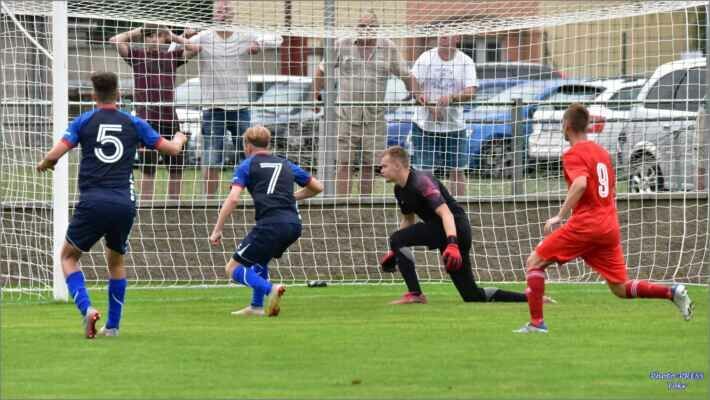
(109,138)
(269,179)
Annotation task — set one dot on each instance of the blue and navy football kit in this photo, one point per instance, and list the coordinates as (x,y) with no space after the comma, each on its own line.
(269,179)
(106,208)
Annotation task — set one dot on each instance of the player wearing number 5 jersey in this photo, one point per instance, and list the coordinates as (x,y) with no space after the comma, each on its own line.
(269,179)
(592,232)
(106,208)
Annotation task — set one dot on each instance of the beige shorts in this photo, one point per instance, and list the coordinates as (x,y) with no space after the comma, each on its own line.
(361,144)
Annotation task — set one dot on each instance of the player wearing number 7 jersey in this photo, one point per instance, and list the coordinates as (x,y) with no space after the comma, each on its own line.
(592,232)
(106,208)
(270,180)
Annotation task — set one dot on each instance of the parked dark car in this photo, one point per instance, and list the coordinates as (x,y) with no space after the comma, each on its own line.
(517,70)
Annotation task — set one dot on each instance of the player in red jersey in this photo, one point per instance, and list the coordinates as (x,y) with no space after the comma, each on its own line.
(592,232)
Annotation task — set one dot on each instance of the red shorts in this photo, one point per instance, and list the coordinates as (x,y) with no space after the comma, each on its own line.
(602,252)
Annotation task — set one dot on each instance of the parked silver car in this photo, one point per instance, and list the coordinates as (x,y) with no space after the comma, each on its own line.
(660,144)
(546,142)
(188,107)
(293,125)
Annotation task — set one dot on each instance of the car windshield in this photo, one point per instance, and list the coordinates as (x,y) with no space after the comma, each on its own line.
(570,94)
(527,92)
(627,93)
(516,71)
(286,93)
(487,92)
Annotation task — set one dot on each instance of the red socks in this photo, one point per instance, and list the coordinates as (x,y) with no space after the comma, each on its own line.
(634,288)
(535,292)
(646,289)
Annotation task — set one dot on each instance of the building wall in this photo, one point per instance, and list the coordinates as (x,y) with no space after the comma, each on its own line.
(310,14)
(625,46)
(428,11)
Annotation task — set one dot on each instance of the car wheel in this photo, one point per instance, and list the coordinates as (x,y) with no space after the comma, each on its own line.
(497,158)
(645,174)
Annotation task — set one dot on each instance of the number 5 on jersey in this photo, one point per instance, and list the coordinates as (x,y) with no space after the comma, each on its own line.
(104,137)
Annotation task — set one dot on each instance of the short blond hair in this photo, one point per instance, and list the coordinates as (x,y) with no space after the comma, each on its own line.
(258,136)
(398,153)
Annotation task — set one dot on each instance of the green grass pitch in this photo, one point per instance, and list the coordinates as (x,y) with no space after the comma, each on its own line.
(346,342)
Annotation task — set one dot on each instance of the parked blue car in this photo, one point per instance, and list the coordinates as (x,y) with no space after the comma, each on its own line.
(490,127)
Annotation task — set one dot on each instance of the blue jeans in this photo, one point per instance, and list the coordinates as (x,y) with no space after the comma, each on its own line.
(216,122)
(439,150)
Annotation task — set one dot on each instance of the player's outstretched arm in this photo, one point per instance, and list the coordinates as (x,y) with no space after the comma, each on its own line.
(52,156)
(172,147)
(575,192)
(311,189)
(227,207)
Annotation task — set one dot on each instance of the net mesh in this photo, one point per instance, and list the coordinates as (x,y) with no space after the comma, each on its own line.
(398,19)
(614,56)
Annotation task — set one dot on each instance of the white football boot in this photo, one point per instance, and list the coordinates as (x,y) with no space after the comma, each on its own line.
(530,328)
(249,311)
(110,332)
(682,301)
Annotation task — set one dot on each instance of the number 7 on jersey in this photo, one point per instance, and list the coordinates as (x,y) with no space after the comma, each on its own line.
(274,176)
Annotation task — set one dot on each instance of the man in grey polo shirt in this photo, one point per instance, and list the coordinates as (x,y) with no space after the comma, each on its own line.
(364,64)
(224,81)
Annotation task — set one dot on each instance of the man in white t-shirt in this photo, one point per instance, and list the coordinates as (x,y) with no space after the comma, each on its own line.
(439,141)
(224,82)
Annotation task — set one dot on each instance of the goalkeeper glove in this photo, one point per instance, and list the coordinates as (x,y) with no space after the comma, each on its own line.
(451,255)
(389,262)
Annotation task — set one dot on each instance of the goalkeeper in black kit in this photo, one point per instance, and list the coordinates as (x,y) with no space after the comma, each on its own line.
(444,226)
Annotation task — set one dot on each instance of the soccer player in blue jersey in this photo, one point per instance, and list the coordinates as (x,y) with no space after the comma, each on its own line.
(269,179)
(109,138)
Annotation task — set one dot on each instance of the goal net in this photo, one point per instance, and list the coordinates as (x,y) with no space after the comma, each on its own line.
(332,80)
